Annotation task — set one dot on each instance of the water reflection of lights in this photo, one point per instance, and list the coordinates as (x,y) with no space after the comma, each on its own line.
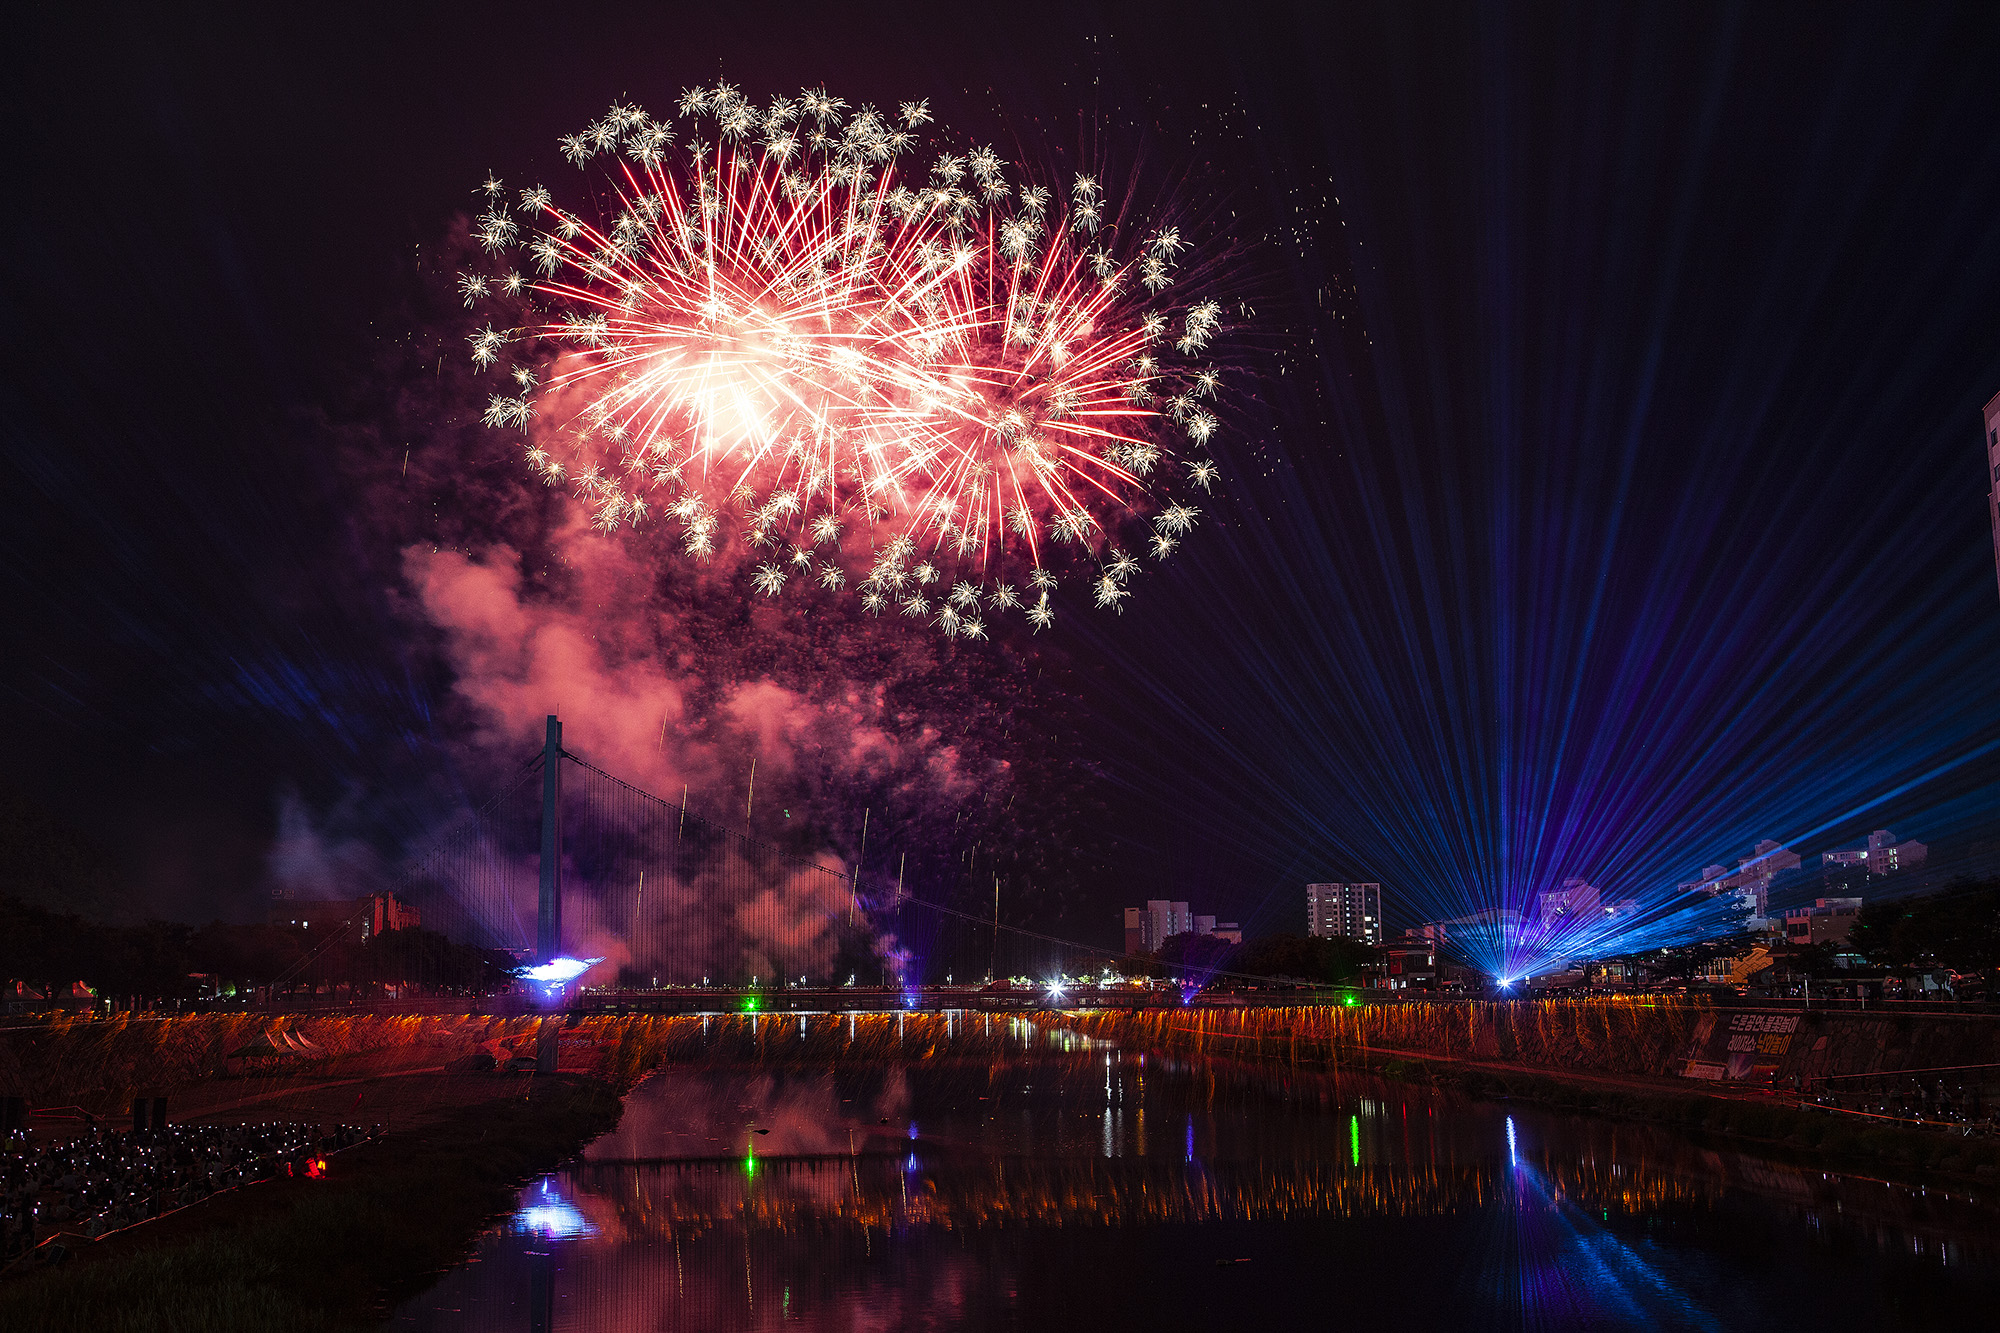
(1246,1055)
(1567,1237)
(880,1194)
(1574,1270)
(547,1214)
(1577,1225)
(1552,1237)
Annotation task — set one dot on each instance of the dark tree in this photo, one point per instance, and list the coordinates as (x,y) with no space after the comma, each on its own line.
(1327,960)
(1958,928)
(1191,953)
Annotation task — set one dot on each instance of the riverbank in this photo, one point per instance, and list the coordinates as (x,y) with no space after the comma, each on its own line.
(329,1255)
(1619,1058)
(1835,1139)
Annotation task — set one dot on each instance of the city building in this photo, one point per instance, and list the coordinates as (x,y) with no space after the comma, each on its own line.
(1827,919)
(1993,475)
(1409,964)
(1146,927)
(1754,875)
(1882,856)
(1710,883)
(1353,910)
(1752,880)
(1500,923)
(1577,900)
(374,914)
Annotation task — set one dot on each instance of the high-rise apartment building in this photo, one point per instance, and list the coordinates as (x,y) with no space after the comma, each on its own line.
(1993,475)
(1882,856)
(1353,910)
(1146,926)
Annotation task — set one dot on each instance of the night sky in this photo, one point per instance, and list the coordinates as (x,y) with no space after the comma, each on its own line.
(1602,484)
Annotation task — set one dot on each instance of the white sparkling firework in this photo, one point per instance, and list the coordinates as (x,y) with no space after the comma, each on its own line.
(885,377)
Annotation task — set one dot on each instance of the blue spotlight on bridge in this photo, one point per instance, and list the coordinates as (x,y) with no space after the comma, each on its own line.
(546,1214)
(553,975)
(557,971)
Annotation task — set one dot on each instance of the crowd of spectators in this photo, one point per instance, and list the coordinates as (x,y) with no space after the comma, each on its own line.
(102,1180)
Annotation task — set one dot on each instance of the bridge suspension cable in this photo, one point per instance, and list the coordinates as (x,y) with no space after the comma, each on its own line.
(671,897)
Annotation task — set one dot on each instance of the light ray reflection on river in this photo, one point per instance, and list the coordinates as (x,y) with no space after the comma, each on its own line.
(1088,1187)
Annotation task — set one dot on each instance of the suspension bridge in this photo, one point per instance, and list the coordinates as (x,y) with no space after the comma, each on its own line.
(571,861)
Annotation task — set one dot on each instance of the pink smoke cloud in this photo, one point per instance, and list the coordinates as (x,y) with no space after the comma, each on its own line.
(641,699)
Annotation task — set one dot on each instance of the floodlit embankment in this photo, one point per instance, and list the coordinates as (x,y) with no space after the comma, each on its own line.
(99,1063)
(1618,1058)
(1603,1034)
(1639,1036)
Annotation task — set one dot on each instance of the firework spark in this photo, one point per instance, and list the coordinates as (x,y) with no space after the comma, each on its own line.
(764,328)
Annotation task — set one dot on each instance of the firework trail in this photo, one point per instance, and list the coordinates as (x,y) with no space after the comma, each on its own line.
(925,390)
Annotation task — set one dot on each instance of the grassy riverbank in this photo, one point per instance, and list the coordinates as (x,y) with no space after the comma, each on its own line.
(333,1254)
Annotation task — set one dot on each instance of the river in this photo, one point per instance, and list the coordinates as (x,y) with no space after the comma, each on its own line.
(1072,1185)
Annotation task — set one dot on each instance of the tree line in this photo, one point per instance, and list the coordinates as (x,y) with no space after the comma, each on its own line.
(51,950)
(1957,927)
(1331,960)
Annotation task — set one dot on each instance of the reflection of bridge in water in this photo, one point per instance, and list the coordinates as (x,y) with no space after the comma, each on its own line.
(682,1199)
(569,860)
(921,1194)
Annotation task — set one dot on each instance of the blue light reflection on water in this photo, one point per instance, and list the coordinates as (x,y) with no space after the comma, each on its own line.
(545,1213)
(1030,1188)
(1561,1267)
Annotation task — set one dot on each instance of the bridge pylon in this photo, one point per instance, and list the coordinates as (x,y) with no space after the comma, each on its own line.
(548,916)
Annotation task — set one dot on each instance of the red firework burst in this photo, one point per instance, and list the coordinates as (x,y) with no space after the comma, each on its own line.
(920,386)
